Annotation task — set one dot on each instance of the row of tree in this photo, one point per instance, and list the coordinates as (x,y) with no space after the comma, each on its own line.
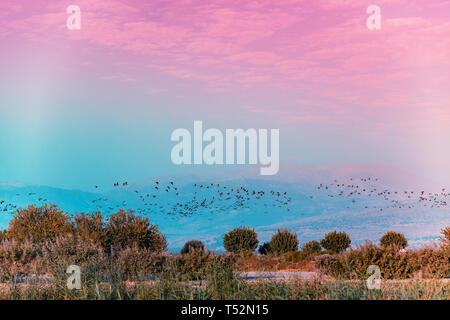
(243,239)
(46,223)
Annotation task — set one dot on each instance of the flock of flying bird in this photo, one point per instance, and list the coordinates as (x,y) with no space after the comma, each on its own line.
(203,197)
(168,198)
(8,207)
(360,190)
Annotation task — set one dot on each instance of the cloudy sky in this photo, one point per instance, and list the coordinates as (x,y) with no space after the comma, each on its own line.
(95,105)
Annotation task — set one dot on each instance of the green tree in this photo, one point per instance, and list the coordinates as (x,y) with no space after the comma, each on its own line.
(240,240)
(336,241)
(90,227)
(126,229)
(311,247)
(283,241)
(39,223)
(192,245)
(392,238)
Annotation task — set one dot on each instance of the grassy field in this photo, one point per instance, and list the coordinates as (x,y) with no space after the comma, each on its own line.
(127,258)
(235,289)
(222,282)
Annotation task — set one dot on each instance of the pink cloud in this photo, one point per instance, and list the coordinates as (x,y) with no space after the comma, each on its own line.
(320,49)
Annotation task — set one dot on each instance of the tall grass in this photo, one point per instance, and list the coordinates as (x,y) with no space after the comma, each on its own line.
(222,283)
(217,280)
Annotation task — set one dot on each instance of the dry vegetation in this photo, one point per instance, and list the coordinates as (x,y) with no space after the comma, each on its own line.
(126,258)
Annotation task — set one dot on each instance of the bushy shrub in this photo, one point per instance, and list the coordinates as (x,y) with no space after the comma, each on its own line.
(192,245)
(126,229)
(335,241)
(135,263)
(352,264)
(393,263)
(221,280)
(311,247)
(19,258)
(433,262)
(39,223)
(193,265)
(283,241)
(328,264)
(240,240)
(392,238)
(90,227)
(264,249)
(65,251)
(297,256)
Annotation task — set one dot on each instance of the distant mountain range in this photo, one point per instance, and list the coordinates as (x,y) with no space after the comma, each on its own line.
(363,200)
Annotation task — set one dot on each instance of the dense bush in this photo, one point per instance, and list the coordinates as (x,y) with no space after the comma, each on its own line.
(221,279)
(193,265)
(192,245)
(354,264)
(393,263)
(264,249)
(19,258)
(135,263)
(45,241)
(335,241)
(126,229)
(39,224)
(90,227)
(311,247)
(297,256)
(283,241)
(392,238)
(65,251)
(433,262)
(240,240)
(328,264)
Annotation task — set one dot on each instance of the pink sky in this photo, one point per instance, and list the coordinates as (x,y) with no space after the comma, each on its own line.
(321,49)
(318,55)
